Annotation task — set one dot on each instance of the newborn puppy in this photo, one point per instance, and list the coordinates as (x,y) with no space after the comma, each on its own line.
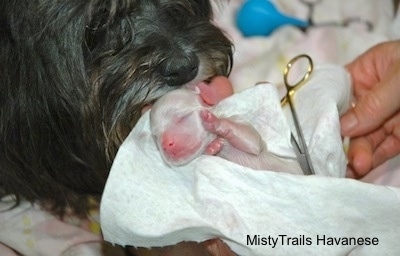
(184,127)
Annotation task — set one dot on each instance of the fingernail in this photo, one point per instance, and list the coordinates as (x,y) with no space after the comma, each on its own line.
(348,122)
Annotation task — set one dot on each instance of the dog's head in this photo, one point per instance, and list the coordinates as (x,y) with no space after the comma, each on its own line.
(136,51)
(76,74)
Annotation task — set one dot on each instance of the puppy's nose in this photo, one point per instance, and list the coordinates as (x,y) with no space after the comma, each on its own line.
(170,147)
(180,69)
(168,144)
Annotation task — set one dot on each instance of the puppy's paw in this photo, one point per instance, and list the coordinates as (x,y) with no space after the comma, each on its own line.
(214,147)
(210,121)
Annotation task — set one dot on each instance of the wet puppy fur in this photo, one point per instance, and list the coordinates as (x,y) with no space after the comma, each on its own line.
(74,77)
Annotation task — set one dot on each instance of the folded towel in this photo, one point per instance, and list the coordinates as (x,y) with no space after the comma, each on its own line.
(147,203)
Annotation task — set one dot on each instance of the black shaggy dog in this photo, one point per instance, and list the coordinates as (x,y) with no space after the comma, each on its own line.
(74,76)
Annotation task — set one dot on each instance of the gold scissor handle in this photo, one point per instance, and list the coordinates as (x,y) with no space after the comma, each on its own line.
(292,88)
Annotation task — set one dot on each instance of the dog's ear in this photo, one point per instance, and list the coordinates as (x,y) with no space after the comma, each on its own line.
(202,8)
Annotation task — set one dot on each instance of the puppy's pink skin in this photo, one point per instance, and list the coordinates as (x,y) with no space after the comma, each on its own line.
(177,127)
(184,128)
(179,111)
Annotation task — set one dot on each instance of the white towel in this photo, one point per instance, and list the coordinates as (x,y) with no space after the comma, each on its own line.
(147,203)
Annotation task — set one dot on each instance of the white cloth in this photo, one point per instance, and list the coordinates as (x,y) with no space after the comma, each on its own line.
(147,203)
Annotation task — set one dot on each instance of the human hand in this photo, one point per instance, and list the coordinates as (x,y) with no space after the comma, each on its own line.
(216,247)
(218,89)
(374,122)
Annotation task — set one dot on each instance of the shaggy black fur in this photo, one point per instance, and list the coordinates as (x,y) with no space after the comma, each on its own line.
(74,75)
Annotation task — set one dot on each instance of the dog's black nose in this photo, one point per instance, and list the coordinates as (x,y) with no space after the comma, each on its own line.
(180,69)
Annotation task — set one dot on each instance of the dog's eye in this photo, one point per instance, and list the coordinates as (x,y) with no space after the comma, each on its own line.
(182,118)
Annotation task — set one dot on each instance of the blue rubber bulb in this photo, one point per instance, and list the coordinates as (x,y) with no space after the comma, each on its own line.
(260,18)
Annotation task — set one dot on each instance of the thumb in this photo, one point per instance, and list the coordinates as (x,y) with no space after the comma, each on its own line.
(374,107)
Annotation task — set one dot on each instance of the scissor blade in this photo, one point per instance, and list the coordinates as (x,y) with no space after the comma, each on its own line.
(301,158)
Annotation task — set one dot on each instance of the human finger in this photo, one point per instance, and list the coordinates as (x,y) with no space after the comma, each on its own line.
(388,149)
(218,89)
(390,146)
(371,150)
(373,65)
(217,247)
(359,157)
(373,108)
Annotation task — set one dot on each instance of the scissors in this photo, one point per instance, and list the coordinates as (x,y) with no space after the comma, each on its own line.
(300,147)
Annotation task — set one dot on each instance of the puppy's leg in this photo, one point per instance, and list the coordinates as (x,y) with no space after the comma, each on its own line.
(239,135)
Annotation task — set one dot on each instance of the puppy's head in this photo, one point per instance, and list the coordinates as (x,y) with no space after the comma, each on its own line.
(177,128)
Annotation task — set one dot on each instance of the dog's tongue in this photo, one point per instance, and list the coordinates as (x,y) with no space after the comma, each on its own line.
(218,89)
